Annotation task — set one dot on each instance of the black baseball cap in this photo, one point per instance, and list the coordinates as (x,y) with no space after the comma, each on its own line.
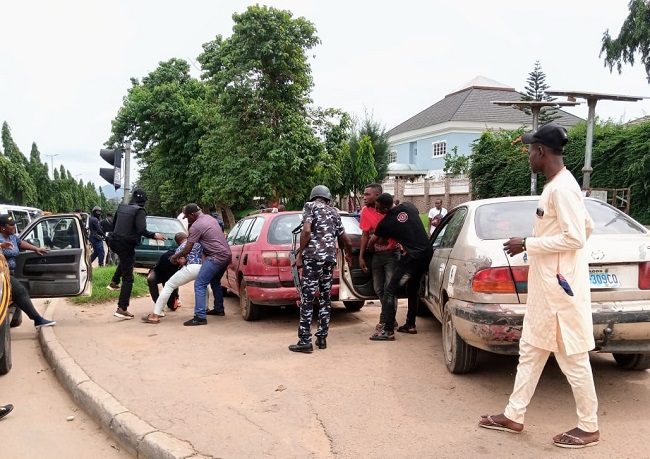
(6,219)
(550,135)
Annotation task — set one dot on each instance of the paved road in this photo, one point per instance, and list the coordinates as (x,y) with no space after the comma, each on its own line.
(38,426)
(233,390)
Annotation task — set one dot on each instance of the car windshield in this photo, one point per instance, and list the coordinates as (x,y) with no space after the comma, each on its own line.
(164,225)
(502,220)
(351,225)
(281,227)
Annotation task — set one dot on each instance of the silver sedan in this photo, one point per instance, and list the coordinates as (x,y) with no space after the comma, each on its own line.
(478,293)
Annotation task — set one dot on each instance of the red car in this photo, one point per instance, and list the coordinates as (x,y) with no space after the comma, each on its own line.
(260,271)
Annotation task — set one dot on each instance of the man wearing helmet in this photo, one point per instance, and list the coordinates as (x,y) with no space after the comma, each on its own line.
(97,236)
(322,228)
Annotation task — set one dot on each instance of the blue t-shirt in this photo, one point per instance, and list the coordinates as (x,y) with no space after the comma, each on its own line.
(12,253)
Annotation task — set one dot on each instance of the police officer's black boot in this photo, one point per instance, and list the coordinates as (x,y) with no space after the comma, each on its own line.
(301,347)
(321,342)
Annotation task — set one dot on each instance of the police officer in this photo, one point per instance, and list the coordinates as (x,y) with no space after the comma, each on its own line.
(322,227)
(129,225)
(97,235)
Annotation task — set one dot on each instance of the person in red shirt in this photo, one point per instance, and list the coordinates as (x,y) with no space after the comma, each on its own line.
(385,255)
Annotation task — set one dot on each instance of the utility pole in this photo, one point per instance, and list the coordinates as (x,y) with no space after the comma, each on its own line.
(127,170)
(52,162)
(535,106)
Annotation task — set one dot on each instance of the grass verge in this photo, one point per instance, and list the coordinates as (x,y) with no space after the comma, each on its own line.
(101,278)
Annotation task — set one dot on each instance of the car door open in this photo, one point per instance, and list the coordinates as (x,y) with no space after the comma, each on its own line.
(65,269)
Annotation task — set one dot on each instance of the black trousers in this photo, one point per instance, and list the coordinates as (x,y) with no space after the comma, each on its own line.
(153,280)
(408,270)
(124,270)
(20,298)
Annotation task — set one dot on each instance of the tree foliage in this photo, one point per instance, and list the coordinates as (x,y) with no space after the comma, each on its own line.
(162,117)
(26,182)
(536,88)
(456,164)
(261,138)
(620,159)
(632,39)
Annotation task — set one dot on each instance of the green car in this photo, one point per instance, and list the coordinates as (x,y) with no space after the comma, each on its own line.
(149,250)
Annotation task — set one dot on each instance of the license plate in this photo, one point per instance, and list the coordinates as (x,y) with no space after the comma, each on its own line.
(603,278)
(156,243)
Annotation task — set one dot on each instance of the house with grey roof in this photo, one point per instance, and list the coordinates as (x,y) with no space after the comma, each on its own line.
(459,119)
(419,144)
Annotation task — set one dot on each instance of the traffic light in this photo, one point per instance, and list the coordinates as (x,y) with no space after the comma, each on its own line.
(114,158)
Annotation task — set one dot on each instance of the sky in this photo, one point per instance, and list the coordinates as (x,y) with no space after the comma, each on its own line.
(65,66)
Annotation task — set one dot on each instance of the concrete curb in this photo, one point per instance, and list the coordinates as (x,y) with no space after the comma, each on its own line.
(135,435)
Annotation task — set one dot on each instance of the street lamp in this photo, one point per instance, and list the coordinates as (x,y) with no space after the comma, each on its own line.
(535,107)
(592,99)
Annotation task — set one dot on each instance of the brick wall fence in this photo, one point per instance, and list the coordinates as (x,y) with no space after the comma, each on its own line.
(423,192)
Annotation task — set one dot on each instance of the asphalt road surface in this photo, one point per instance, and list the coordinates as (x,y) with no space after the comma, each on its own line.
(233,389)
(39,427)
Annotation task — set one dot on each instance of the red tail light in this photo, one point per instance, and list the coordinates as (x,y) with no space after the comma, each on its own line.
(274,259)
(501,280)
(644,276)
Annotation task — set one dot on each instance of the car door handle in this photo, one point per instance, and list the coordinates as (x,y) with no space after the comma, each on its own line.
(245,259)
(442,267)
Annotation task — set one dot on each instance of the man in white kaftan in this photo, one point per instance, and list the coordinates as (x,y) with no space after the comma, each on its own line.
(558,316)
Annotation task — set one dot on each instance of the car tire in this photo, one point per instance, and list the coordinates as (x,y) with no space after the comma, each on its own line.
(17,319)
(5,342)
(354,305)
(460,357)
(635,362)
(249,310)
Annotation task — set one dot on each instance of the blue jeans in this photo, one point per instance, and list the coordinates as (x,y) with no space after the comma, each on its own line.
(98,251)
(209,270)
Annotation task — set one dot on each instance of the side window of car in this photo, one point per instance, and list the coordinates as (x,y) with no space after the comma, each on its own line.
(449,233)
(232,234)
(21,218)
(242,234)
(57,236)
(256,229)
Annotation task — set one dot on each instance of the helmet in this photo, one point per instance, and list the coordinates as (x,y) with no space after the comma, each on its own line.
(320,191)
(97,209)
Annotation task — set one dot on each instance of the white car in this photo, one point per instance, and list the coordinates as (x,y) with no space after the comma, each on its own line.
(63,271)
(478,293)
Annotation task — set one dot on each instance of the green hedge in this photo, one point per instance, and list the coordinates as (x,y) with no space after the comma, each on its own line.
(620,159)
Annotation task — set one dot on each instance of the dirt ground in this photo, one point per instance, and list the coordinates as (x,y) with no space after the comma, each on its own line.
(234,390)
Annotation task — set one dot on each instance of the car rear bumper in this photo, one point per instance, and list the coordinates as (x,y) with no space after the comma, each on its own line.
(618,326)
(270,291)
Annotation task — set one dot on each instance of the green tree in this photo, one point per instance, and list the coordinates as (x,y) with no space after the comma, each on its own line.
(633,39)
(162,117)
(456,164)
(536,90)
(16,184)
(364,165)
(38,172)
(377,133)
(261,140)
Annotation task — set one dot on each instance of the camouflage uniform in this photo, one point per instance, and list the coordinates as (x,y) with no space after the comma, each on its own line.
(319,259)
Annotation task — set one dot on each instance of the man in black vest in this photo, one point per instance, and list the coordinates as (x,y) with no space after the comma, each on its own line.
(129,225)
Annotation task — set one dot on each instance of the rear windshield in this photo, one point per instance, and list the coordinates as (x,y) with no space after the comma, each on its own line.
(503,220)
(164,225)
(281,227)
